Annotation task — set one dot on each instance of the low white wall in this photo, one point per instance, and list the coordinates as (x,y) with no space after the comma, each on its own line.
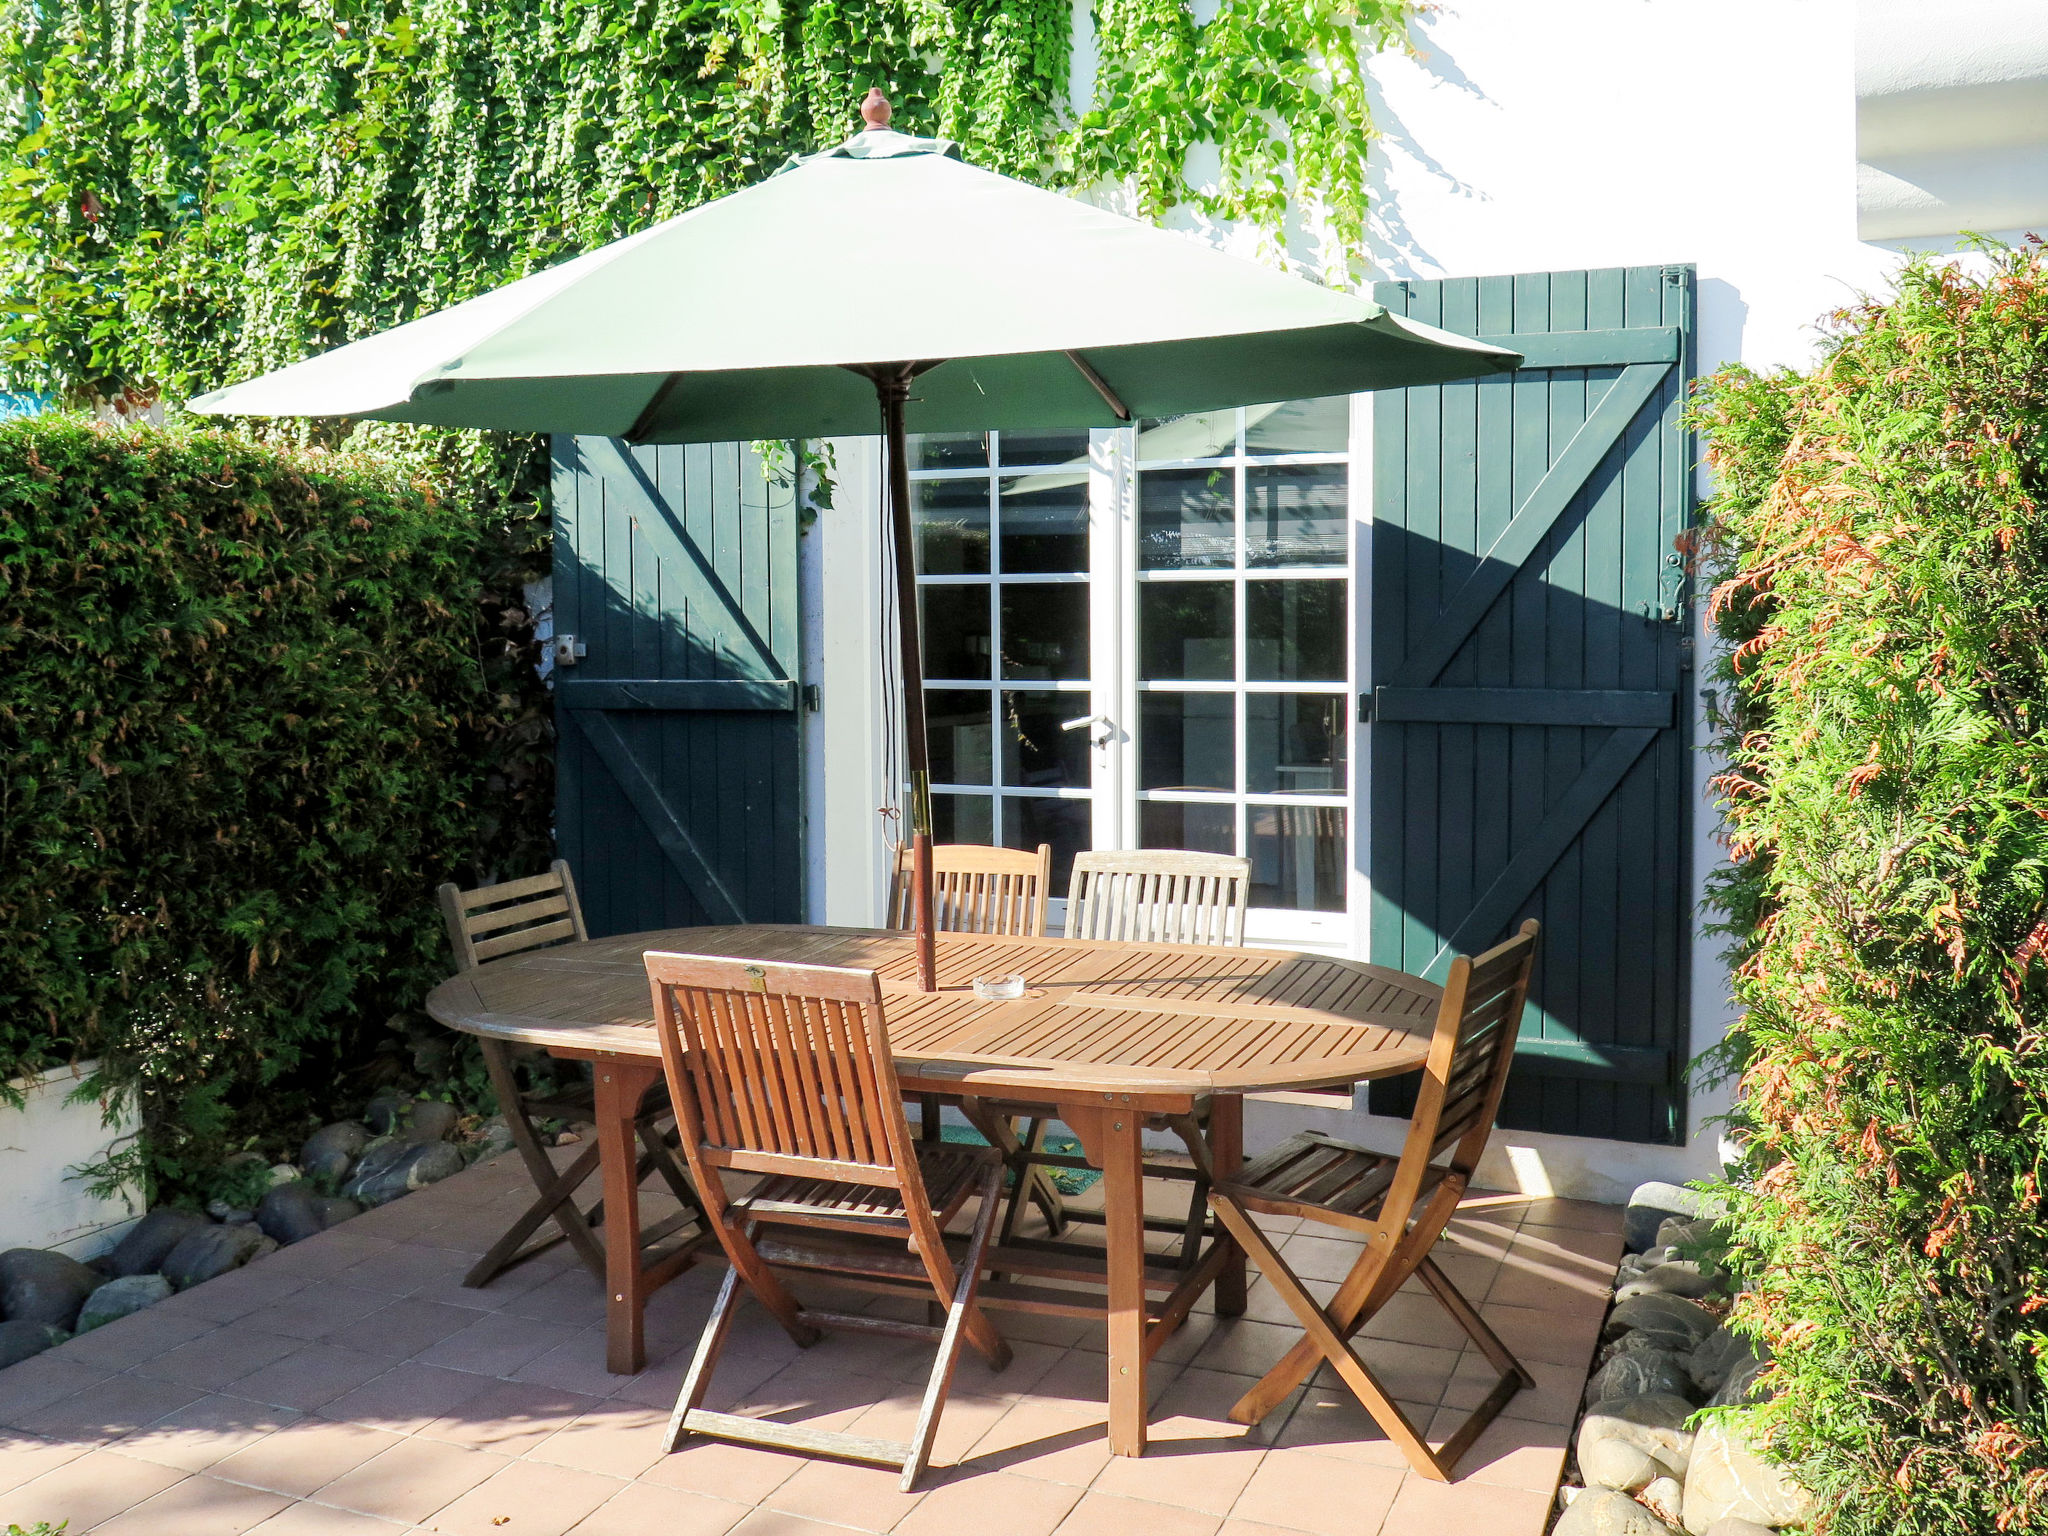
(43,1202)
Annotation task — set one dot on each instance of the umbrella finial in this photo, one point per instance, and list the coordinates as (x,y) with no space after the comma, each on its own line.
(875,108)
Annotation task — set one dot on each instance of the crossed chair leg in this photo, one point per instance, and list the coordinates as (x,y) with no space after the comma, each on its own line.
(1371,1283)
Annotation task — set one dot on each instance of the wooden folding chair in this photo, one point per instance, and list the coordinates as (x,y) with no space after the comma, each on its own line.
(1400,1206)
(508,919)
(977,889)
(785,1072)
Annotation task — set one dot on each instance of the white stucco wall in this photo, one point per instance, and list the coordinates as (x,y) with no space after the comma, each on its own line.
(1579,133)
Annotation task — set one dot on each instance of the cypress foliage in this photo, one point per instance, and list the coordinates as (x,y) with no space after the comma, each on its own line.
(1882,557)
(250,712)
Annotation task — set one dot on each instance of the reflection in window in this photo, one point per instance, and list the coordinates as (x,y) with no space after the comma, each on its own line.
(1294,744)
(1299,426)
(949,450)
(1297,854)
(1037,751)
(1294,631)
(1184,631)
(1296,514)
(1044,529)
(1023,448)
(1187,741)
(952,527)
(1202,828)
(956,723)
(963,819)
(956,631)
(1067,825)
(1187,519)
(1045,630)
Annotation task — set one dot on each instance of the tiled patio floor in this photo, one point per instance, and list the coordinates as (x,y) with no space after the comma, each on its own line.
(349,1386)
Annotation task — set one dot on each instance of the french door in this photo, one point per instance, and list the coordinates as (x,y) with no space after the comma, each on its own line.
(1143,639)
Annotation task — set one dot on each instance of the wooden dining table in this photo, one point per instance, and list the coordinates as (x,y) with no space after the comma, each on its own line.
(1106,1037)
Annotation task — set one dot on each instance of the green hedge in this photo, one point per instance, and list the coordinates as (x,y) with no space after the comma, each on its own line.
(1880,533)
(253,704)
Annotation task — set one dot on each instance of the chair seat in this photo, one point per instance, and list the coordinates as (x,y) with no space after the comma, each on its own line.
(949,1170)
(1314,1172)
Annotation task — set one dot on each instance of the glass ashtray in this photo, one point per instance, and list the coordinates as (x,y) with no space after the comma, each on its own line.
(999,989)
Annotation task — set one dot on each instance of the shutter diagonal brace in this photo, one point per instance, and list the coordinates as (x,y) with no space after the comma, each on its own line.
(1532,521)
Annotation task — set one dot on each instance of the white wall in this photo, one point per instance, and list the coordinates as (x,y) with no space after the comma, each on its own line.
(43,1203)
(1591,133)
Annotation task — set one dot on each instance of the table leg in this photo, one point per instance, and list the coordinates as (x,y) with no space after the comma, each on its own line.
(1226,1156)
(620,1083)
(1111,1136)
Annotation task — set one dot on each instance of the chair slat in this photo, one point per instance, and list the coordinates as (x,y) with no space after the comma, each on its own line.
(491,921)
(1158,896)
(977,889)
(557,932)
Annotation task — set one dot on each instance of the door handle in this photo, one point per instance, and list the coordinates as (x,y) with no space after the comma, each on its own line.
(1103,730)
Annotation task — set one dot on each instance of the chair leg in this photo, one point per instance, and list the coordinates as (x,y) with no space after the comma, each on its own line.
(958,1314)
(556,1194)
(555,1188)
(1034,1184)
(1328,1339)
(709,1343)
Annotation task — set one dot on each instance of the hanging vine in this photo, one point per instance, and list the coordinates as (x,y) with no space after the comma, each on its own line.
(198,190)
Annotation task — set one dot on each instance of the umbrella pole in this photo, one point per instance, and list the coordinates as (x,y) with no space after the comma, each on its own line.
(893,389)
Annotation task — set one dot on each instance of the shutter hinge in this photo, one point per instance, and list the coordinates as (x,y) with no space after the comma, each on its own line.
(1685,653)
(813,698)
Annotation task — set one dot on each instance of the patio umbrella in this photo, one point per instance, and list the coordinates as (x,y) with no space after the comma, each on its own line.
(791,309)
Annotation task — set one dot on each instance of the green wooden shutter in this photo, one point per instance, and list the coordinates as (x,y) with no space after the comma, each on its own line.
(1529,659)
(678,798)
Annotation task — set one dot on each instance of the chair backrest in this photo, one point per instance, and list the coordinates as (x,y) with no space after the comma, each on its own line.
(503,919)
(1162,896)
(781,1069)
(977,889)
(1469,1056)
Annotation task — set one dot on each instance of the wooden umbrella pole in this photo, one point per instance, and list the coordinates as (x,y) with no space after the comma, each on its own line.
(892,387)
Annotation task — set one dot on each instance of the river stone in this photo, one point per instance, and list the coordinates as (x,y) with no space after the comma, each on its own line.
(1741,1387)
(1729,1478)
(1654,1423)
(1733,1527)
(1664,1498)
(329,1151)
(1655,1203)
(429,1120)
(399,1167)
(1676,1277)
(211,1251)
(1642,1373)
(118,1298)
(1617,1464)
(1718,1354)
(1603,1512)
(148,1242)
(1673,1321)
(40,1286)
(335,1209)
(290,1212)
(386,1110)
(1694,1233)
(22,1338)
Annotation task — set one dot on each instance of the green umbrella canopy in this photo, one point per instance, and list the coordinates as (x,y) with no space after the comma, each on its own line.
(741,320)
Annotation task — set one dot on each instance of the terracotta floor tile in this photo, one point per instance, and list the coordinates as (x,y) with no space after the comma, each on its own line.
(327,1255)
(1509,1453)
(24,1458)
(1592,1250)
(1525,1281)
(1263,1304)
(1415,1318)
(320,1520)
(1471,1273)
(509,1417)
(197,1436)
(618,1440)
(1413,1373)
(774,1522)
(130,1340)
(1199,1471)
(1313,1256)
(305,1456)
(642,1509)
(527,1499)
(314,1375)
(1236,1344)
(991,1504)
(1104,1514)
(496,1344)
(104,1412)
(1254,1528)
(1586,1215)
(93,1488)
(1322,1494)
(37,1383)
(402,1329)
(967,1418)
(1056,1441)
(412,1480)
(740,1472)
(217,1358)
(845,1494)
(1331,1422)
(577,1365)
(1553,1400)
(407,1398)
(236,1294)
(404,1269)
(1080,1377)
(199,1506)
(574,1296)
(1563,1337)
(318,1309)
(1424,1508)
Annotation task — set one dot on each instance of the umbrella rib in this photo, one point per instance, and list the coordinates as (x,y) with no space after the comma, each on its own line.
(1109,396)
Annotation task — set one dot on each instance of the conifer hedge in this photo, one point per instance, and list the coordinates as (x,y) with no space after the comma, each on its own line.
(1880,538)
(253,704)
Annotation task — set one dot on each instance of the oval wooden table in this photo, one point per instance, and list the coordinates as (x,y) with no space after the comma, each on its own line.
(1107,1035)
